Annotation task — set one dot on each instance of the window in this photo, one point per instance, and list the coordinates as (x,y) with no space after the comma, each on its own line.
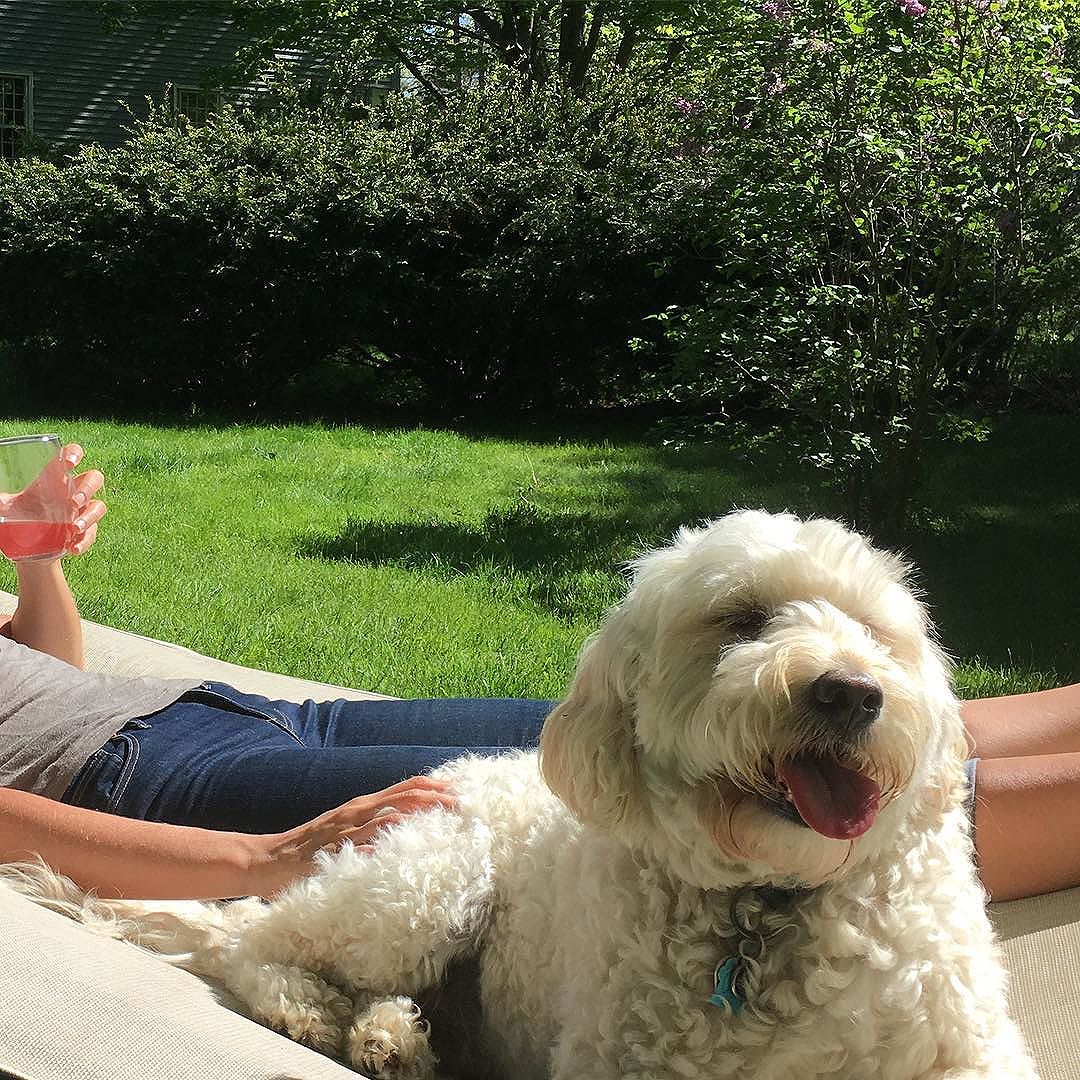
(14,114)
(194,104)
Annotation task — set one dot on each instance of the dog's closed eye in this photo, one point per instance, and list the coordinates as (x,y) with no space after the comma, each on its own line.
(745,623)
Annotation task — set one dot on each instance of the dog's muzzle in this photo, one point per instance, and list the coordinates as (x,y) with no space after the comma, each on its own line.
(823,786)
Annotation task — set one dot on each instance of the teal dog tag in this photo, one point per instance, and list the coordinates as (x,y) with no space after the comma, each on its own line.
(726,984)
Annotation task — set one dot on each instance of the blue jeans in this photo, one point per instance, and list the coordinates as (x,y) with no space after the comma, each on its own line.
(221,759)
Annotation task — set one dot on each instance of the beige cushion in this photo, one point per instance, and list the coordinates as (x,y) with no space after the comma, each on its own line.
(1041,936)
(131,654)
(75,1006)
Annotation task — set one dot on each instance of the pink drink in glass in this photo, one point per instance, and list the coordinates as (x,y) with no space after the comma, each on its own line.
(35,498)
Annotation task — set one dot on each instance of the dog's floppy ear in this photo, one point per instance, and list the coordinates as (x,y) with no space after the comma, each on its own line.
(587,751)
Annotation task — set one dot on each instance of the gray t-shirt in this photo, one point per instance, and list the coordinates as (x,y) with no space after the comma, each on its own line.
(54,716)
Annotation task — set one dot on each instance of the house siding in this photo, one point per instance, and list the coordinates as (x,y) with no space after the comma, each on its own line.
(88,82)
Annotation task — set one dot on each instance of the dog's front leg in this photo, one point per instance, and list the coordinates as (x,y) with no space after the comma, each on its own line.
(1000,1055)
(1009,1070)
(295,1002)
(377,925)
(388,1039)
(981,1043)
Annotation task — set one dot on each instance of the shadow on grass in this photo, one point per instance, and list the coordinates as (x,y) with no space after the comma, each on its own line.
(1000,557)
(1006,591)
(520,540)
(563,563)
(560,547)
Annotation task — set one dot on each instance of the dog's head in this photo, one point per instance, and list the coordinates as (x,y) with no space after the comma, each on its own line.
(766,704)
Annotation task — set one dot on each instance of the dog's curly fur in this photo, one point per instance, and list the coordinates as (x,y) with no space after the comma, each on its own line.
(664,841)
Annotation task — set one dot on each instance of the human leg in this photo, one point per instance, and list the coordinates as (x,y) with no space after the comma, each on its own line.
(1027,824)
(224,760)
(508,723)
(1027,797)
(1019,725)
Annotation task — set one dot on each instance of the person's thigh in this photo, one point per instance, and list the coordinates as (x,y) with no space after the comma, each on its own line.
(277,789)
(161,766)
(221,759)
(1025,725)
(511,723)
(1027,824)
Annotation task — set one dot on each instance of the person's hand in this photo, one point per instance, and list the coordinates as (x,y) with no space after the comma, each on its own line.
(289,855)
(86,510)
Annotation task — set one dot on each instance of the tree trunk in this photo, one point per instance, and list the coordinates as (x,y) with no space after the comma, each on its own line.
(626,46)
(571,33)
(579,64)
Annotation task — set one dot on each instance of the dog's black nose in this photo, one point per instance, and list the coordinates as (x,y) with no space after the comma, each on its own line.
(850,699)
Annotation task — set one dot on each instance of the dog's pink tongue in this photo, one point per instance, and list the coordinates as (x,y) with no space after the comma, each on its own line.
(833,800)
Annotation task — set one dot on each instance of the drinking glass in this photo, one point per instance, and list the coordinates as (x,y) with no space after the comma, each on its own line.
(36,510)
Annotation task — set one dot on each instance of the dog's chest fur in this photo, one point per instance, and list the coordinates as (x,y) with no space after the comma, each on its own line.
(623,984)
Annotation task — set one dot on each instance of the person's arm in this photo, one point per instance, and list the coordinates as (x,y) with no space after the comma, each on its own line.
(46,617)
(124,857)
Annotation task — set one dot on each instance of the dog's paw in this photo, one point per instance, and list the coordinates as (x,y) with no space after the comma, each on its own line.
(301,1005)
(389,1040)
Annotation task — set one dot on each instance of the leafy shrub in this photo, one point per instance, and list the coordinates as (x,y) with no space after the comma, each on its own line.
(503,250)
(540,250)
(181,264)
(898,221)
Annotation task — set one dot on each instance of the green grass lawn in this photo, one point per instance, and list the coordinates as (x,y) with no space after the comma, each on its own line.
(420,562)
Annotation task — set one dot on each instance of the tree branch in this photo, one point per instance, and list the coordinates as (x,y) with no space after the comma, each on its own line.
(502,36)
(489,25)
(438,95)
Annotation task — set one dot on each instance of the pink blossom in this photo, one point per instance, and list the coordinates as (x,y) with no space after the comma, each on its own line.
(913,8)
(773,83)
(776,9)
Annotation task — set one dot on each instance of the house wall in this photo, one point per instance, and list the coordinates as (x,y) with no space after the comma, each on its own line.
(83,74)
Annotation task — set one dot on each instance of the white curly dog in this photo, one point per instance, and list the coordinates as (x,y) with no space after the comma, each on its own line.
(750,858)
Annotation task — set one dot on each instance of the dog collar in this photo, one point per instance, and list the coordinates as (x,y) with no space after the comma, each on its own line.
(730,976)
(728,984)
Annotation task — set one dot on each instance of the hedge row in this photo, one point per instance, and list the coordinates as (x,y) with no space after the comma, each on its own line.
(504,250)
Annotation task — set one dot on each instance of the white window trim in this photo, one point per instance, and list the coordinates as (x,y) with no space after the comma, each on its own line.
(28,97)
(188,88)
